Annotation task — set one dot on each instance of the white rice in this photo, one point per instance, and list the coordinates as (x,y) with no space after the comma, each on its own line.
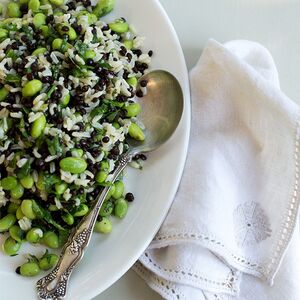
(50,158)
(54,58)
(10,157)
(67,195)
(81,134)
(58,203)
(36,153)
(34,116)
(25,223)
(22,162)
(16,115)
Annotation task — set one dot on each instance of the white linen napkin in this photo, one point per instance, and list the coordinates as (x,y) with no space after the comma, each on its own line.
(235,212)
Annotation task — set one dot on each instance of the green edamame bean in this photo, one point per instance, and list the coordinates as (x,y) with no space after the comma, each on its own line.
(81,210)
(103,7)
(3,33)
(65,100)
(58,13)
(68,218)
(110,192)
(34,5)
(106,209)
(53,207)
(119,26)
(17,192)
(19,213)
(26,207)
(132,110)
(40,183)
(101,176)
(77,152)
(39,51)
(74,165)
(13,10)
(7,221)
(104,165)
(48,261)
(128,44)
(60,188)
(89,54)
(16,233)
(12,207)
(132,81)
(121,208)
(3,93)
(91,18)
(103,226)
(119,189)
(39,19)
(38,126)
(71,32)
(9,183)
(34,235)
(31,88)
(57,2)
(116,125)
(50,239)
(29,269)
(57,43)
(136,132)
(45,30)
(11,246)
(27,182)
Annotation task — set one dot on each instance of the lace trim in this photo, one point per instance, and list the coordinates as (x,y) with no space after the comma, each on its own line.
(159,284)
(289,216)
(240,260)
(228,284)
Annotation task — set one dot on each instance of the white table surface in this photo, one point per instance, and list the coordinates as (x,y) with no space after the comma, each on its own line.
(274,23)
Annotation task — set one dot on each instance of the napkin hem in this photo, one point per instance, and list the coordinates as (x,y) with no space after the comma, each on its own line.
(211,243)
(229,285)
(290,217)
(164,288)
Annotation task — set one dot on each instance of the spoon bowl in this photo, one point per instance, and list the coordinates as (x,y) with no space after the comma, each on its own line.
(162,108)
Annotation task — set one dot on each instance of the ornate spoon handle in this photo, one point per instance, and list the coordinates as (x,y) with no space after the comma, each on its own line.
(54,285)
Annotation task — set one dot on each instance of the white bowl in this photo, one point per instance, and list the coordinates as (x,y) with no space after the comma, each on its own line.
(109,257)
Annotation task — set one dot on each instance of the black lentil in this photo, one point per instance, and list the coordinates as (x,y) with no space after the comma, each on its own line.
(129,197)
(105,139)
(139,93)
(143,83)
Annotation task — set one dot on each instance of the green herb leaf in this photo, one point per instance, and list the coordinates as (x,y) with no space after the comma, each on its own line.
(104,64)
(55,71)
(102,109)
(24,171)
(11,54)
(54,146)
(12,78)
(42,213)
(51,90)
(81,48)
(49,181)
(63,237)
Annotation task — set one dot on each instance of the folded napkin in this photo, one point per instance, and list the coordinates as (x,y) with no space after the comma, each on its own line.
(232,231)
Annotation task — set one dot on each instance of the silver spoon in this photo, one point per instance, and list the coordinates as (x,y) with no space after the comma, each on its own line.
(162,108)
